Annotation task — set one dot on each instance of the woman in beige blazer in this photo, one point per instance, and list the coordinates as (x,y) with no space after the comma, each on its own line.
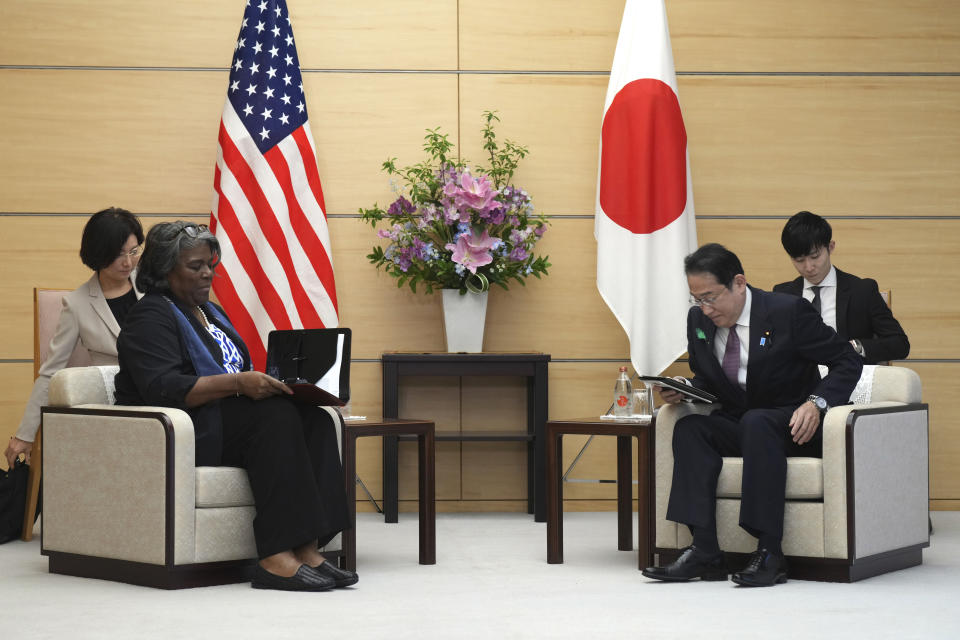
(92,314)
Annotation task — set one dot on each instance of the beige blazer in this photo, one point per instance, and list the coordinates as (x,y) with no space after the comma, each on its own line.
(85,319)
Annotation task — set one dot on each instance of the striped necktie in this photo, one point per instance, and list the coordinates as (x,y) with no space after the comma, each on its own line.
(731,356)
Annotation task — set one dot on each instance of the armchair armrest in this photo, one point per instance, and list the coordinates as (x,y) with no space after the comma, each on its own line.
(875,478)
(119,482)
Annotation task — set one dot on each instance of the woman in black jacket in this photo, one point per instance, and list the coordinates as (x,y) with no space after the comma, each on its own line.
(179,350)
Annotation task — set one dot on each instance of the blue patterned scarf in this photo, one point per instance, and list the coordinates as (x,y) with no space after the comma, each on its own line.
(207,423)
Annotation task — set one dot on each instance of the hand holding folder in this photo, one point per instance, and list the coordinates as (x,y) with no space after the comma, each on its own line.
(687,390)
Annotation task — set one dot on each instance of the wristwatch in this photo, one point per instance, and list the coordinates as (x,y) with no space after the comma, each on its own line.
(819,403)
(858,347)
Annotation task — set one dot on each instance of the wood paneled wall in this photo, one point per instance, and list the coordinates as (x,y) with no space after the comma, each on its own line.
(849,109)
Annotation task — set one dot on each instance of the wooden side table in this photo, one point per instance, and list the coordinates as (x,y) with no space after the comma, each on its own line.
(532,366)
(426,471)
(644,433)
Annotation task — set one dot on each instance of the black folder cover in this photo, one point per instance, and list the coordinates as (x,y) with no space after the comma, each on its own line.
(314,363)
(686,389)
(312,394)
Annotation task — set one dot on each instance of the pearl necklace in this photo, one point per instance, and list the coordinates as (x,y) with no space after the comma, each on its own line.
(206,322)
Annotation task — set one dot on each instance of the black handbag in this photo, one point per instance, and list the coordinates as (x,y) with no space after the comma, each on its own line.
(13,500)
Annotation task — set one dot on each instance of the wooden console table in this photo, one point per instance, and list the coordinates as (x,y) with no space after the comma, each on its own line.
(532,366)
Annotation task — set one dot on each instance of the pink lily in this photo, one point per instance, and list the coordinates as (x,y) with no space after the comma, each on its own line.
(472,251)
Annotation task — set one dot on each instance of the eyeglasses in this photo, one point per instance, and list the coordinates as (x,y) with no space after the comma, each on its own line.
(133,253)
(193,230)
(706,301)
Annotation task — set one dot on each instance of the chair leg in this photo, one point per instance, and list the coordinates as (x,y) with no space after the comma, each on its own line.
(33,488)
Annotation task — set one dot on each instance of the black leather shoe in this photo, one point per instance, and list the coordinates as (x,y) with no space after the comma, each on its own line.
(691,564)
(305,579)
(341,577)
(764,569)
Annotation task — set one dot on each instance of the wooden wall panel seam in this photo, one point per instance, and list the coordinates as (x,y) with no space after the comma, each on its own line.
(514,72)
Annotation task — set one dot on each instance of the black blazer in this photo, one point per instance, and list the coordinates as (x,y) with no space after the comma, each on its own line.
(862,315)
(782,371)
(155,368)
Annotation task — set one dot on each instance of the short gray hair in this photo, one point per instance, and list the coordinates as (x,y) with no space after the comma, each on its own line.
(165,242)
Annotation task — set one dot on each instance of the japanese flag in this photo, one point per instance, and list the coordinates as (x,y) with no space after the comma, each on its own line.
(644,223)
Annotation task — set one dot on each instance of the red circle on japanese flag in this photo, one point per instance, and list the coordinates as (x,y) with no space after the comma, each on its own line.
(643,163)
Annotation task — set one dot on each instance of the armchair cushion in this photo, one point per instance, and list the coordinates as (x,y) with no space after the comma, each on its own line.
(804,478)
(223,487)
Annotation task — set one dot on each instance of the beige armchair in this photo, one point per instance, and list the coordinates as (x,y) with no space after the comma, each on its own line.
(858,512)
(123,500)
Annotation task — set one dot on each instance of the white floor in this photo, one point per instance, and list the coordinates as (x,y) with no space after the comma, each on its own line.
(491,580)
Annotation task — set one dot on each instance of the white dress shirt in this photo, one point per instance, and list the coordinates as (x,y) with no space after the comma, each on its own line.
(828,297)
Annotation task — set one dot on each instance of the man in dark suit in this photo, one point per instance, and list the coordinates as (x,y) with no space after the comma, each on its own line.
(850,305)
(758,353)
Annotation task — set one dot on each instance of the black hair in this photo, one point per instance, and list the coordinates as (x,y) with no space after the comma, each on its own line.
(804,233)
(105,234)
(715,259)
(165,242)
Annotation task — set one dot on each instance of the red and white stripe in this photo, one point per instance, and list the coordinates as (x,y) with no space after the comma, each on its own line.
(269,217)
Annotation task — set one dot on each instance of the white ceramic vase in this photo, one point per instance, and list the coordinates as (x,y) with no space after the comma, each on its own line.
(464,317)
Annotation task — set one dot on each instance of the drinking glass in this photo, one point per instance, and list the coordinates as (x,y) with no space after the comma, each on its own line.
(642,400)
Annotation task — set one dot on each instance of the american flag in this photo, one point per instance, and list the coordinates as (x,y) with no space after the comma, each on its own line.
(268,211)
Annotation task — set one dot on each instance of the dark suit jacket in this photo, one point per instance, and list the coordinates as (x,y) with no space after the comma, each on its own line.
(782,371)
(156,369)
(862,315)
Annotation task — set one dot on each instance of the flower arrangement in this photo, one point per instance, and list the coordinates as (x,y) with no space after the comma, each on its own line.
(453,228)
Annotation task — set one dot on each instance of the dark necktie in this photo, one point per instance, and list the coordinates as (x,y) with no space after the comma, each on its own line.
(731,356)
(816,297)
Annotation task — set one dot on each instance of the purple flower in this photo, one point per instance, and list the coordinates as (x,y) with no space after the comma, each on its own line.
(419,249)
(401,206)
(519,253)
(472,251)
(450,213)
(519,237)
(404,260)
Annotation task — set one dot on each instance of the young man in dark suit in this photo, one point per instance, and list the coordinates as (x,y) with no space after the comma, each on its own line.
(850,305)
(758,353)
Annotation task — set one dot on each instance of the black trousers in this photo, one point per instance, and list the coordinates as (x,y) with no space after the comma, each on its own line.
(290,453)
(762,438)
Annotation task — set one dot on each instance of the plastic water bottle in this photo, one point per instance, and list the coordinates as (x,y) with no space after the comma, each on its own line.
(623,395)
